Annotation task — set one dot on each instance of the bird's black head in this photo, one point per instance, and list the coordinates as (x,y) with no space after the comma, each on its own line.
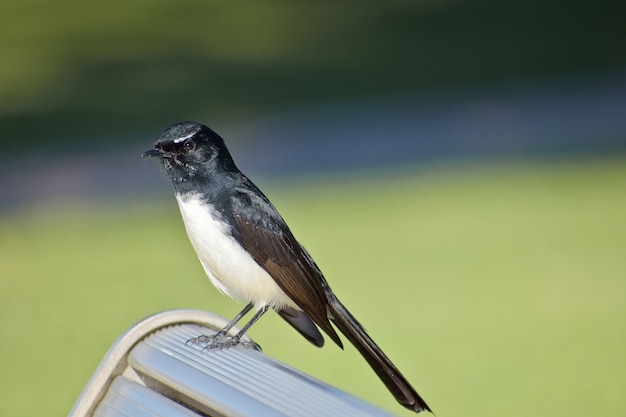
(191,150)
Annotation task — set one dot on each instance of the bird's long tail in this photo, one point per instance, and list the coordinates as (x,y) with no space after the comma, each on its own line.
(380,363)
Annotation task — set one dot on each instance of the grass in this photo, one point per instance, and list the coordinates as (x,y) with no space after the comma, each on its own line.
(497,290)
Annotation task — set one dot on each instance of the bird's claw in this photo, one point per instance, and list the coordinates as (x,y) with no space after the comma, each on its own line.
(220,341)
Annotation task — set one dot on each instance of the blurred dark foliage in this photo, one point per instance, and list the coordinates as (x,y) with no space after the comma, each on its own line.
(76,70)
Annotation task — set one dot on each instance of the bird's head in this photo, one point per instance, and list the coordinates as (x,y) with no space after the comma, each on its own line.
(190,149)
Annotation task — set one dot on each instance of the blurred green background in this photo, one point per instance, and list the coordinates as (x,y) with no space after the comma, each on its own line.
(73,69)
(461,163)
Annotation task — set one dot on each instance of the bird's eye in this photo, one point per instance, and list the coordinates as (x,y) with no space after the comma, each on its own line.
(189,145)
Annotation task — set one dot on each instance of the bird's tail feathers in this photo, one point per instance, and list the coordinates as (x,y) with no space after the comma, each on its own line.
(404,393)
(303,324)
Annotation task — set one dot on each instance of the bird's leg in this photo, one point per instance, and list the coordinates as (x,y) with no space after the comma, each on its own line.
(204,339)
(220,341)
(236,338)
(228,342)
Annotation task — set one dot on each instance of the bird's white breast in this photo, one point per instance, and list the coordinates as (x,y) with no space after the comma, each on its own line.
(229,266)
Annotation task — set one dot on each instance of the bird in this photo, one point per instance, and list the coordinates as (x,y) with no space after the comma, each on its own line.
(250,254)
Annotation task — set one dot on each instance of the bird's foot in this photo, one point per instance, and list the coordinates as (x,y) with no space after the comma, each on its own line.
(220,341)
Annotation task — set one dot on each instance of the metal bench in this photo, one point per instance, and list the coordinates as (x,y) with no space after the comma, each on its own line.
(150,371)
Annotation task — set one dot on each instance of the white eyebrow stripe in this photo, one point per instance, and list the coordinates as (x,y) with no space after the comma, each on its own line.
(179,140)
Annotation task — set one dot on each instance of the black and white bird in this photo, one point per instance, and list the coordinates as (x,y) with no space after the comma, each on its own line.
(249,253)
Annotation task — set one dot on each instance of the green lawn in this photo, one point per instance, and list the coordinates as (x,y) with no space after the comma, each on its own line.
(498,290)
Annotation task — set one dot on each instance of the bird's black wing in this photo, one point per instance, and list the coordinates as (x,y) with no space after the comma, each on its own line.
(264,234)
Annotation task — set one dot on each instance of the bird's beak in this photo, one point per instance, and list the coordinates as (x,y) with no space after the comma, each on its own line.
(152,153)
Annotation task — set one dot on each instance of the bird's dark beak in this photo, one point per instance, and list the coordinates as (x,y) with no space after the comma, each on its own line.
(152,153)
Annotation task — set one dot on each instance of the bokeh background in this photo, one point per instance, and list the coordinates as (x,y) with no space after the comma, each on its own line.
(456,168)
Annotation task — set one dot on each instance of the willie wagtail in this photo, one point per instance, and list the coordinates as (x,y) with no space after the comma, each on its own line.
(249,253)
